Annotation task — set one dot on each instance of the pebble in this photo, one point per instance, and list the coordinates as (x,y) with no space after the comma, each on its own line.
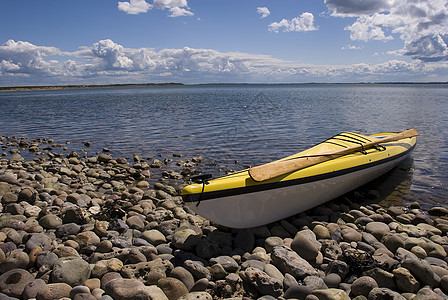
(71,270)
(114,228)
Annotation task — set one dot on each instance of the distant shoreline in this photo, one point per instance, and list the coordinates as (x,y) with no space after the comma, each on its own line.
(64,87)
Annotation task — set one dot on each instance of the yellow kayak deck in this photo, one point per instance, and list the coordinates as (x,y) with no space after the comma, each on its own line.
(241,182)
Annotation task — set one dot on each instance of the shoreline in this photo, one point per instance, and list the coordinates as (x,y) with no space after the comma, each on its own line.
(64,87)
(95,226)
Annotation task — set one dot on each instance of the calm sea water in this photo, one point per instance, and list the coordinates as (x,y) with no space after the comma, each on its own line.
(236,125)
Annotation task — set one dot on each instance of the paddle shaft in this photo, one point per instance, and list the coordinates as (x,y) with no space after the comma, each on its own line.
(277,168)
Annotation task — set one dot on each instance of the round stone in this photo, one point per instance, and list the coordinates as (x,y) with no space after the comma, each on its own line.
(154,237)
(377,229)
(13,282)
(363,286)
(50,221)
(71,270)
(17,259)
(304,246)
(272,242)
(172,287)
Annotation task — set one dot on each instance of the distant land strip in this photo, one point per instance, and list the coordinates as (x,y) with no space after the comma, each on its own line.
(63,87)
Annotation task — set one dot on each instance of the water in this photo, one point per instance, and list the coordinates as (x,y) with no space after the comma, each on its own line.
(237,125)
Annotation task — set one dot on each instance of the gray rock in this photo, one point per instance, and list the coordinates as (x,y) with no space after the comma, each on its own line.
(87,238)
(393,241)
(13,282)
(80,289)
(253,263)
(306,245)
(54,291)
(289,281)
(148,272)
(331,249)
(196,296)
(332,280)
(67,229)
(135,222)
(129,289)
(315,282)
(173,288)
(9,198)
(32,288)
(271,242)
(382,277)
(288,261)
(183,275)
(38,240)
(272,271)
(185,239)
(71,270)
(200,285)
(331,294)
(427,293)
(197,269)
(8,178)
(262,282)
(16,259)
(338,267)
(351,235)
(421,271)
(154,237)
(227,262)
(297,292)
(384,293)
(46,258)
(377,229)
(405,281)
(50,221)
(363,286)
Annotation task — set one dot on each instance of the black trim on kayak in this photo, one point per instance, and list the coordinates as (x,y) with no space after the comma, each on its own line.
(279,184)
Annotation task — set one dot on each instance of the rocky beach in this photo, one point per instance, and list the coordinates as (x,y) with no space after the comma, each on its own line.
(78,226)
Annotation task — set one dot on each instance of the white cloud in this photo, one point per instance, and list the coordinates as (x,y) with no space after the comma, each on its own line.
(421,25)
(134,7)
(179,12)
(177,8)
(263,11)
(108,62)
(305,22)
(351,47)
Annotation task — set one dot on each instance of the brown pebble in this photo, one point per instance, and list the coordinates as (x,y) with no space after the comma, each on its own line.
(33,255)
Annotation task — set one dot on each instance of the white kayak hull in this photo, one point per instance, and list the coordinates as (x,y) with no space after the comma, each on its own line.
(262,207)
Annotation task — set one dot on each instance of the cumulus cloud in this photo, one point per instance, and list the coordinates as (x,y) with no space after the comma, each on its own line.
(108,62)
(353,8)
(421,25)
(263,11)
(305,22)
(134,7)
(26,58)
(177,8)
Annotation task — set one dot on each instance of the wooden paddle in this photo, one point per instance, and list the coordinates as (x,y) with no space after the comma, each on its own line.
(277,168)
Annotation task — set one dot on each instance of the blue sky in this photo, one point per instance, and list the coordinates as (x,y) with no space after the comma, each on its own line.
(53,42)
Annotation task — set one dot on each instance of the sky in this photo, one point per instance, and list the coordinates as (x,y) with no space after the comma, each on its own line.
(78,42)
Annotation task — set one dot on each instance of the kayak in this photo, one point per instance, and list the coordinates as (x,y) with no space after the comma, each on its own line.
(239,201)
